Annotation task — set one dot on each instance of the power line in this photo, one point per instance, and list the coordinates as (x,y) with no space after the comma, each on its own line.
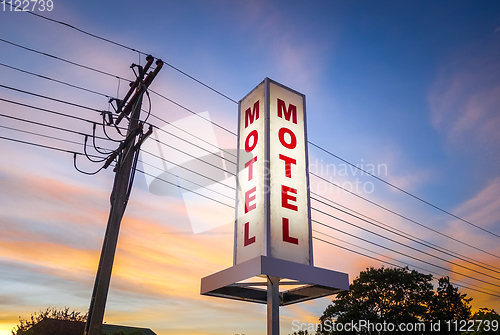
(191,191)
(131,49)
(357,167)
(384,227)
(50,126)
(426,243)
(200,82)
(59,101)
(401,253)
(45,110)
(195,145)
(48,137)
(87,135)
(442,259)
(185,168)
(107,96)
(83,134)
(192,156)
(436,256)
(397,260)
(403,217)
(347,242)
(125,79)
(63,150)
(64,60)
(86,32)
(191,134)
(53,99)
(406,192)
(40,145)
(54,80)
(185,179)
(194,113)
(386,262)
(447,260)
(51,112)
(41,135)
(105,73)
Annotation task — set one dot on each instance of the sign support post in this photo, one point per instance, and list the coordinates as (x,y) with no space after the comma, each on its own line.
(273,305)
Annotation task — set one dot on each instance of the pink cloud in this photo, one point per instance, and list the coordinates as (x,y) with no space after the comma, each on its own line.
(484,208)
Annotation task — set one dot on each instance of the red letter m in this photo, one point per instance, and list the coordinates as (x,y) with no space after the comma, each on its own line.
(252,116)
(292,111)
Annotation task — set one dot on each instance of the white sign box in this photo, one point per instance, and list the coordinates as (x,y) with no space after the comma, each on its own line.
(272,203)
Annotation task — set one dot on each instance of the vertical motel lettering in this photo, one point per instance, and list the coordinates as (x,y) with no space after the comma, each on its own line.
(287,140)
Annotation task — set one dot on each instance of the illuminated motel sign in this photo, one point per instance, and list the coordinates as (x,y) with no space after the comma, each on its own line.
(272,234)
(272,211)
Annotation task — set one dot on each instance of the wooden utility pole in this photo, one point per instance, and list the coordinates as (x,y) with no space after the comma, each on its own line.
(126,156)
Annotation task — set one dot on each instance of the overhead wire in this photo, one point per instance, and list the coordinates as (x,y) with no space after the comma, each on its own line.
(428,254)
(107,96)
(47,125)
(194,113)
(403,217)
(444,250)
(385,228)
(402,244)
(64,60)
(45,110)
(184,188)
(128,48)
(55,80)
(187,169)
(195,145)
(191,134)
(39,145)
(405,192)
(386,262)
(396,213)
(193,156)
(44,136)
(409,256)
(41,135)
(185,179)
(52,99)
(406,263)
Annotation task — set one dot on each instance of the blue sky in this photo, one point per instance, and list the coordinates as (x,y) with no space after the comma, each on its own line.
(410,85)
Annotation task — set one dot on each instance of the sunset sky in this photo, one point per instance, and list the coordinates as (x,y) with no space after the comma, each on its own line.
(407,90)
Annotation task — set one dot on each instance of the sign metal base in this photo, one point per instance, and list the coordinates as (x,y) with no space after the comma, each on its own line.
(311,282)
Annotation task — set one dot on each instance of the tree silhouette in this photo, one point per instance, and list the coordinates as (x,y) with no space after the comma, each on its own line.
(50,313)
(394,296)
